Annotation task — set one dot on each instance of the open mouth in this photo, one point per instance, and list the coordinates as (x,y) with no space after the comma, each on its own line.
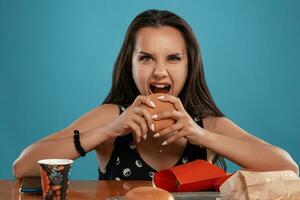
(160,88)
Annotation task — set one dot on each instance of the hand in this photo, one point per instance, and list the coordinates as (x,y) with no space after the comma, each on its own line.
(134,119)
(184,126)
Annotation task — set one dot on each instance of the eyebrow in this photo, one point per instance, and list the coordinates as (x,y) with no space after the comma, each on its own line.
(149,54)
(143,52)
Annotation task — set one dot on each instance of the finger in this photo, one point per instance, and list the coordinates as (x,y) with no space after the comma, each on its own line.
(173,138)
(142,123)
(136,130)
(144,113)
(143,100)
(171,129)
(174,114)
(175,100)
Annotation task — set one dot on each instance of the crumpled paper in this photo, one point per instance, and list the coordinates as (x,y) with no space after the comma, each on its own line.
(250,185)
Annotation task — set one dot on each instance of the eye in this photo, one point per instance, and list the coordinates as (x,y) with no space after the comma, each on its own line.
(145,59)
(174,58)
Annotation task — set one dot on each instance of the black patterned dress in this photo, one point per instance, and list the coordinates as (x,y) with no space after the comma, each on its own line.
(125,162)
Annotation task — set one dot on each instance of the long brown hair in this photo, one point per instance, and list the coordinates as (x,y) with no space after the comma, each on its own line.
(195,95)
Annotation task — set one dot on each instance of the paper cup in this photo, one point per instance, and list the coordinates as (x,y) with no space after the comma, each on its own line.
(55,178)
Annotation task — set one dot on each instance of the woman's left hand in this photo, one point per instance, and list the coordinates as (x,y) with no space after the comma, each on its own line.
(185,126)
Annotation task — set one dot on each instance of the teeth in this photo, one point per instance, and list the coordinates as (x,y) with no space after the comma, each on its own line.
(160,86)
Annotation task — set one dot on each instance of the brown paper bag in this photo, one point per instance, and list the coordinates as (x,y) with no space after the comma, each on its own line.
(250,185)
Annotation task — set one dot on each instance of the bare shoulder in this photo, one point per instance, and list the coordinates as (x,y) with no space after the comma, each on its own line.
(97,117)
(224,126)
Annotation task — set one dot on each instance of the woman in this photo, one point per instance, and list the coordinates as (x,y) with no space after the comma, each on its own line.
(160,54)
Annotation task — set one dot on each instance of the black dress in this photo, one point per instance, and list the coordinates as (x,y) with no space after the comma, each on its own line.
(125,162)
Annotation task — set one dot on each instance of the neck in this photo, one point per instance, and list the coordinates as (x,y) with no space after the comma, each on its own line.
(151,143)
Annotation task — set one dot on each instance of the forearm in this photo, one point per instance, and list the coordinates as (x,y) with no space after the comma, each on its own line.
(248,154)
(26,164)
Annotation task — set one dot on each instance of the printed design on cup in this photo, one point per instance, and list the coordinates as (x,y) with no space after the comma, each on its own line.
(55,181)
(45,181)
(56,177)
(58,167)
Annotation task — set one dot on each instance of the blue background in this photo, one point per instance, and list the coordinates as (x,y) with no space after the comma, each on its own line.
(56,61)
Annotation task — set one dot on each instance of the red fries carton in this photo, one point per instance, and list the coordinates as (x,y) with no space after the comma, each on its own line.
(198,175)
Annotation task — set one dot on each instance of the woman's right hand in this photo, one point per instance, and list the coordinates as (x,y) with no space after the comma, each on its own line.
(135,119)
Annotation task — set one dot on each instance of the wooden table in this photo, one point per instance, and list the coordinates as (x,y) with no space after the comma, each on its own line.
(83,190)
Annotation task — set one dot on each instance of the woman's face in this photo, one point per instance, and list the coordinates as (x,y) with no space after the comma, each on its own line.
(159,61)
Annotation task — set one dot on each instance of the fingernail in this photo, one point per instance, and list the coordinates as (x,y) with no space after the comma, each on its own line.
(152,127)
(145,136)
(161,97)
(151,102)
(156,135)
(154,116)
(164,143)
(138,140)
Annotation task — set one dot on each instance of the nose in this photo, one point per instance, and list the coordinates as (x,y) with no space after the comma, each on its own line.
(160,71)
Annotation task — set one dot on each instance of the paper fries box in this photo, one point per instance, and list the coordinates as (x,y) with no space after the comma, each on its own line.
(198,175)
